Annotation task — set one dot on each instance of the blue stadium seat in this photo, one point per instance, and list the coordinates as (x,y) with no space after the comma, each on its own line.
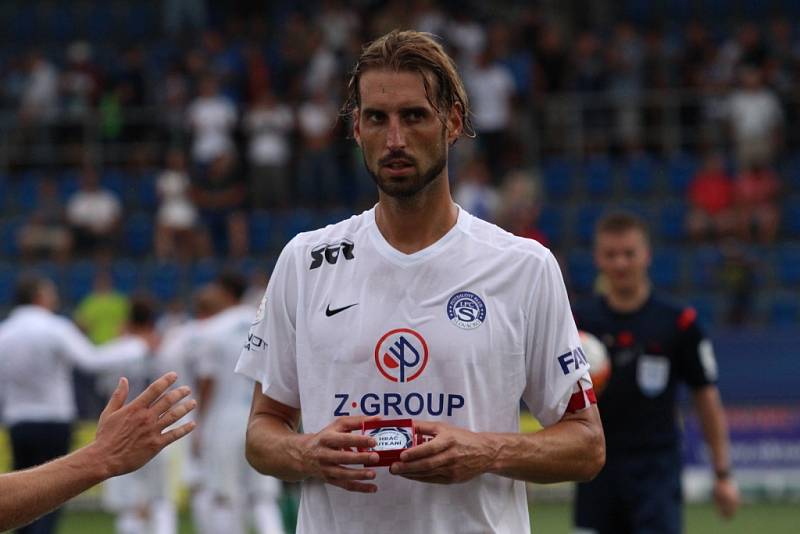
(788,266)
(99,21)
(784,309)
(163,280)
(8,279)
(791,218)
(332,216)
(68,184)
(599,176)
(296,221)
(138,234)
(704,267)
(261,232)
(665,269)
(9,230)
(558,176)
(672,221)
(145,189)
(118,182)
(551,223)
(709,309)
(78,280)
(680,171)
(203,272)
(27,191)
(58,23)
(640,176)
(588,216)
(126,275)
(582,273)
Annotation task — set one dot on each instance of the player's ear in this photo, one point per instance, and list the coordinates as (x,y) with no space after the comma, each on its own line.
(455,123)
(356,126)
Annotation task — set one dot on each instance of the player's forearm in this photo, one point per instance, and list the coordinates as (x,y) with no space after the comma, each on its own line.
(568,450)
(274,448)
(26,495)
(715,428)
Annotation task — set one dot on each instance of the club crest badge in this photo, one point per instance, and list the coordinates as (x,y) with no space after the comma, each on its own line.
(466,310)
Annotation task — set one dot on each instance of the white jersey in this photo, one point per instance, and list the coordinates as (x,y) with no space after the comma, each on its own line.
(458,332)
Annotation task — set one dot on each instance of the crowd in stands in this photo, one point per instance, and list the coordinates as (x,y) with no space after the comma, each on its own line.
(210,126)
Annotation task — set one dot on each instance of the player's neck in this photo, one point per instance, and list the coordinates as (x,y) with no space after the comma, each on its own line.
(412,224)
(628,301)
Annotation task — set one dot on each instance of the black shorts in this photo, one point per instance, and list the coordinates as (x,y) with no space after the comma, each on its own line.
(635,493)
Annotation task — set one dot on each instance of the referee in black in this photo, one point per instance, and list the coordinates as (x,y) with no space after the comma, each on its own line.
(654,344)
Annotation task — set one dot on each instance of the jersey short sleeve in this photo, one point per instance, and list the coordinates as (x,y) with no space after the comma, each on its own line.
(696,362)
(269,355)
(554,361)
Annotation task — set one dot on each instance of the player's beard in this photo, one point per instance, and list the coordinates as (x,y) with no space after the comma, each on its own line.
(411,185)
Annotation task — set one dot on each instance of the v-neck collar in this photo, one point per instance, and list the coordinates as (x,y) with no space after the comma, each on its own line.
(463,221)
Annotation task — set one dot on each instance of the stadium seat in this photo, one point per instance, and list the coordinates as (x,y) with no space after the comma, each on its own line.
(145,189)
(126,275)
(558,176)
(118,182)
(705,264)
(261,232)
(203,272)
(599,176)
(138,234)
(8,277)
(163,279)
(27,191)
(709,309)
(551,224)
(9,230)
(791,218)
(296,221)
(672,221)
(788,266)
(640,176)
(665,269)
(784,309)
(68,184)
(581,270)
(78,280)
(680,171)
(588,216)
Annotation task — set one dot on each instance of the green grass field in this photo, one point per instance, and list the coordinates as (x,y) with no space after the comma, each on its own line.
(766,518)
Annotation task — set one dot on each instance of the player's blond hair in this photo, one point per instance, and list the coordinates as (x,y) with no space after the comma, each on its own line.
(414,51)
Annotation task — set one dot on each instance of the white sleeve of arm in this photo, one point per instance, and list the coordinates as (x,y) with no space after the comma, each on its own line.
(554,360)
(81,352)
(269,355)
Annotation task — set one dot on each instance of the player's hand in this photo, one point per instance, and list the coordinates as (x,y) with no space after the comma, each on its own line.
(726,497)
(328,453)
(453,455)
(129,435)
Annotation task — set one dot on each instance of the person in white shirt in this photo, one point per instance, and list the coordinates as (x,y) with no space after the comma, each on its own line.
(235,487)
(416,309)
(38,351)
(93,214)
(212,118)
(756,119)
(128,436)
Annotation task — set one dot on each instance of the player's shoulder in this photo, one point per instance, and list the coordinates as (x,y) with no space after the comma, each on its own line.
(502,243)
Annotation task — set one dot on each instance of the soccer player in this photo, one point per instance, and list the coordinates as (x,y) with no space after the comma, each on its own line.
(38,351)
(416,309)
(235,488)
(127,437)
(654,344)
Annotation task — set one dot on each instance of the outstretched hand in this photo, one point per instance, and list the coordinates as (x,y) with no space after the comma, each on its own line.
(130,435)
(329,452)
(453,455)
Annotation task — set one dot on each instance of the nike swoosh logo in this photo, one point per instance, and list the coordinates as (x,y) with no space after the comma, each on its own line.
(331,312)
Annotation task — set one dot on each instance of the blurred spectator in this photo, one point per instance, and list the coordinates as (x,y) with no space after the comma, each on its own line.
(626,56)
(45,232)
(183,16)
(173,97)
(474,191)
(756,196)
(212,118)
(520,206)
(710,194)
(176,219)
(80,90)
(756,118)
(322,68)
(102,313)
(269,124)
(220,195)
(317,171)
(428,17)
(491,91)
(94,215)
(590,78)
(40,94)
(338,22)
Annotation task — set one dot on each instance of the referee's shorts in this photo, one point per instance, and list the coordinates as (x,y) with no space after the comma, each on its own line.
(635,493)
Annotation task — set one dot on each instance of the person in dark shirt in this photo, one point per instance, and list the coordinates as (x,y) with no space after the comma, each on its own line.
(654,344)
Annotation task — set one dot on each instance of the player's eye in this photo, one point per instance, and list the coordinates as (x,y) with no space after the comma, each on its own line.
(375,117)
(414,115)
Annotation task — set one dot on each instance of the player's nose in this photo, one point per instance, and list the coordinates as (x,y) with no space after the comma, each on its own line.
(395,138)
